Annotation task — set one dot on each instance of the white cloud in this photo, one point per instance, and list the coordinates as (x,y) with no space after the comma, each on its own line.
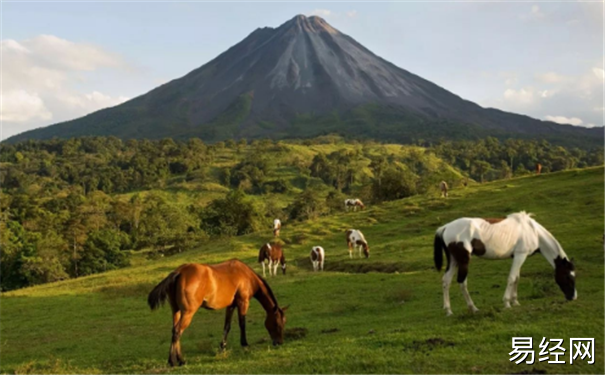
(351,14)
(535,13)
(21,106)
(599,73)
(565,120)
(551,77)
(43,79)
(523,97)
(321,12)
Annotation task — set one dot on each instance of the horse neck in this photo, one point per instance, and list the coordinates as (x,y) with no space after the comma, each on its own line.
(550,248)
(264,297)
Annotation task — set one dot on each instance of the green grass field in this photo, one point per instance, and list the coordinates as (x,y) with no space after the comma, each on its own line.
(378,315)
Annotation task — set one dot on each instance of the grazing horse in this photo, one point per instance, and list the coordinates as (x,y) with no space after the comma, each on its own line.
(274,255)
(517,236)
(354,203)
(317,258)
(230,285)
(355,239)
(276,227)
(443,188)
(538,168)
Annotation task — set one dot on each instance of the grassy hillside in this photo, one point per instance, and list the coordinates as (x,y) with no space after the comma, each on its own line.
(376,315)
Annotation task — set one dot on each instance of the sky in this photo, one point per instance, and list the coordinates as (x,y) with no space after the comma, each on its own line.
(63,60)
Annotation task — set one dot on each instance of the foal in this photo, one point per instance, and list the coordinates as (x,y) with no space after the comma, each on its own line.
(226,285)
(518,236)
(355,239)
(274,255)
(317,258)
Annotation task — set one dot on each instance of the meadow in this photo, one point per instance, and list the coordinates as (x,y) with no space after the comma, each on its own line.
(378,315)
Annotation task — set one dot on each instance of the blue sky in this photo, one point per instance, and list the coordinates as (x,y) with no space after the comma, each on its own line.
(63,60)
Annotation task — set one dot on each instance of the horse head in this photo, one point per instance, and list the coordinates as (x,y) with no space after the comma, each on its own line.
(565,276)
(275,324)
(366,249)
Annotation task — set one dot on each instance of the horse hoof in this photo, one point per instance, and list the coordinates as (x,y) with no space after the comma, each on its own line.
(516,303)
(182,363)
(474,310)
(449,313)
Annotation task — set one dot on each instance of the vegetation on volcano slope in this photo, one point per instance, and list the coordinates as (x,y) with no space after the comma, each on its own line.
(376,315)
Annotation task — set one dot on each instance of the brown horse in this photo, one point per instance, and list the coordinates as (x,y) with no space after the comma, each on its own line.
(228,285)
(538,168)
(274,254)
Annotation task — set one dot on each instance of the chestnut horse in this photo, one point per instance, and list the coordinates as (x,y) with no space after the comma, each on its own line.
(228,285)
(538,168)
(274,254)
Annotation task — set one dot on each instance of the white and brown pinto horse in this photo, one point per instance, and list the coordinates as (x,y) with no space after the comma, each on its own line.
(354,203)
(274,255)
(318,256)
(356,240)
(276,227)
(517,236)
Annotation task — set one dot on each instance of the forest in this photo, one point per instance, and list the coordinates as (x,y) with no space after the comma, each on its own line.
(86,205)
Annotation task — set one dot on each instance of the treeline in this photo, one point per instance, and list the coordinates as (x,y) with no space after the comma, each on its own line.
(490,159)
(82,206)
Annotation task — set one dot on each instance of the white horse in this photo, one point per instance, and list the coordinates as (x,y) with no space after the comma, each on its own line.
(317,258)
(356,240)
(354,203)
(517,236)
(276,227)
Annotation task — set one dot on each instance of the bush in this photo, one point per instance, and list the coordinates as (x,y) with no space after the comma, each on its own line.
(235,214)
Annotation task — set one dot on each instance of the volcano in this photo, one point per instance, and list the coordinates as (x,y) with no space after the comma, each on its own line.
(301,79)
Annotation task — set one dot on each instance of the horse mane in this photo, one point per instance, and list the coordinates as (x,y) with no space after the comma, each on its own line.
(269,291)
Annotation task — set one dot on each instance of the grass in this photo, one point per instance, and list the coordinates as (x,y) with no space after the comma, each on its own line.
(376,315)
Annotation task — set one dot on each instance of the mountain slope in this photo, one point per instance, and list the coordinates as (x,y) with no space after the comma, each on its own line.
(356,322)
(305,67)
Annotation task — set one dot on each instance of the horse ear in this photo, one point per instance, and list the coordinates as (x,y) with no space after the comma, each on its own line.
(285,308)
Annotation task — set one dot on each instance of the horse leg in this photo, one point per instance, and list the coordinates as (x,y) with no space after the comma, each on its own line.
(228,316)
(263,263)
(469,302)
(350,249)
(270,267)
(176,317)
(275,268)
(447,281)
(242,310)
(513,279)
(314,265)
(322,265)
(463,258)
(178,332)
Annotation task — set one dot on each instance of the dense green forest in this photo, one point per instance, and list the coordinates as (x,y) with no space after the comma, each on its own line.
(85,205)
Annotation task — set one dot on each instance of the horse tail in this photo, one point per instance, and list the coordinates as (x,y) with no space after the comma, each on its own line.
(438,249)
(158,295)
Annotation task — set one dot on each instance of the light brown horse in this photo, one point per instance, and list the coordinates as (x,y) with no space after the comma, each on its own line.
(443,187)
(274,254)
(538,168)
(228,285)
